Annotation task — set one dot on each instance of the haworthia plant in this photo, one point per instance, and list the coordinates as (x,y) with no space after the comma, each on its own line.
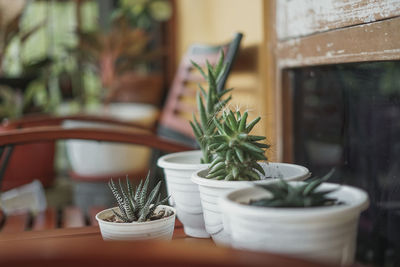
(285,195)
(237,151)
(209,104)
(136,205)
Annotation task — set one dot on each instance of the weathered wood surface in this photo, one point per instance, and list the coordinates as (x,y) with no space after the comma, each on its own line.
(368,42)
(305,17)
(83,246)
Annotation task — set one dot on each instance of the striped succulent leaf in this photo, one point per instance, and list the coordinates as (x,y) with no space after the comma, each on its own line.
(136,205)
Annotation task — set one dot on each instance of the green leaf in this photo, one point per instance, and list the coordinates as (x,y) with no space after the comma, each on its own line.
(224,92)
(259,168)
(196,129)
(143,193)
(138,190)
(250,126)
(219,127)
(232,120)
(221,73)
(202,111)
(239,154)
(242,123)
(220,63)
(256,138)
(199,69)
(130,189)
(251,147)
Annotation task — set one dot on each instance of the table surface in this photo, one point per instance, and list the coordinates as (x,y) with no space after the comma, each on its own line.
(83,245)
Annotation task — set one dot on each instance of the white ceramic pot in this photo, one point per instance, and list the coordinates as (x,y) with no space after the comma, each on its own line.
(158,229)
(185,196)
(211,190)
(326,234)
(93,159)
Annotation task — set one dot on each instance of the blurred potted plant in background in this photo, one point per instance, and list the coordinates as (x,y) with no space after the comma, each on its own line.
(124,59)
(23,90)
(129,55)
(22,82)
(144,14)
(118,55)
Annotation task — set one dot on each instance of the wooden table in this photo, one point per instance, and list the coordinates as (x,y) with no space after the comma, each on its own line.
(82,246)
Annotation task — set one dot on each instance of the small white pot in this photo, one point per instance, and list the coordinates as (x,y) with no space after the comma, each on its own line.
(94,159)
(158,229)
(211,190)
(326,234)
(185,196)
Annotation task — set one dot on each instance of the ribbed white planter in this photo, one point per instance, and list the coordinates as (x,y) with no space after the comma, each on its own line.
(158,229)
(91,158)
(326,234)
(178,168)
(211,190)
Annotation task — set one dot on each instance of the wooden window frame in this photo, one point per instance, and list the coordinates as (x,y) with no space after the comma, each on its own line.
(341,41)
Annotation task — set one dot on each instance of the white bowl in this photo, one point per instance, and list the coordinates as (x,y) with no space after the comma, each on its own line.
(326,234)
(185,196)
(158,229)
(211,190)
(92,158)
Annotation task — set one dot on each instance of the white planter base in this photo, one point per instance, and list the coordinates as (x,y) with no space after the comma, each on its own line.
(212,190)
(198,232)
(326,234)
(185,196)
(161,229)
(91,159)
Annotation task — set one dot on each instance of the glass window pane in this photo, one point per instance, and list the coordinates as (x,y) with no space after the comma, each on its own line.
(347,116)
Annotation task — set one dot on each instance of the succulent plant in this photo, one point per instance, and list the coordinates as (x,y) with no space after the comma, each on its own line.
(204,128)
(237,152)
(306,194)
(135,205)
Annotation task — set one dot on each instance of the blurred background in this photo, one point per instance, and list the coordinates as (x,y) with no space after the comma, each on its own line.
(67,56)
(326,88)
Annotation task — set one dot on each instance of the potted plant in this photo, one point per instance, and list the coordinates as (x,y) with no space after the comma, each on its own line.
(178,167)
(23,92)
(91,161)
(138,215)
(313,220)
(235,164)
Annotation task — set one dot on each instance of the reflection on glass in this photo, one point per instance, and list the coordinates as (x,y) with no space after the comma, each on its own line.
(348,116)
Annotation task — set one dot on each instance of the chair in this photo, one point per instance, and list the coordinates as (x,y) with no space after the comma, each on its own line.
(174,118)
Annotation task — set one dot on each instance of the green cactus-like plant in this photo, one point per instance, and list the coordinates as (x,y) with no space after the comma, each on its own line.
(204,128)
(237,151)
(285,195)
(135,205)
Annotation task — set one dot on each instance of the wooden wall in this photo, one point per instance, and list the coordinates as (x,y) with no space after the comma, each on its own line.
(215,22)
(318,32)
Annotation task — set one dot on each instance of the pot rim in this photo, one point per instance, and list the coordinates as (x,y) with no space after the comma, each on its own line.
(136,223)
(198,179)
(166,161)
(360,202)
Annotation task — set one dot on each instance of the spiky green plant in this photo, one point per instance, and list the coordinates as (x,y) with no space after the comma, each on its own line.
(237,152)
(286,195)
(204,128)
(135,205)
